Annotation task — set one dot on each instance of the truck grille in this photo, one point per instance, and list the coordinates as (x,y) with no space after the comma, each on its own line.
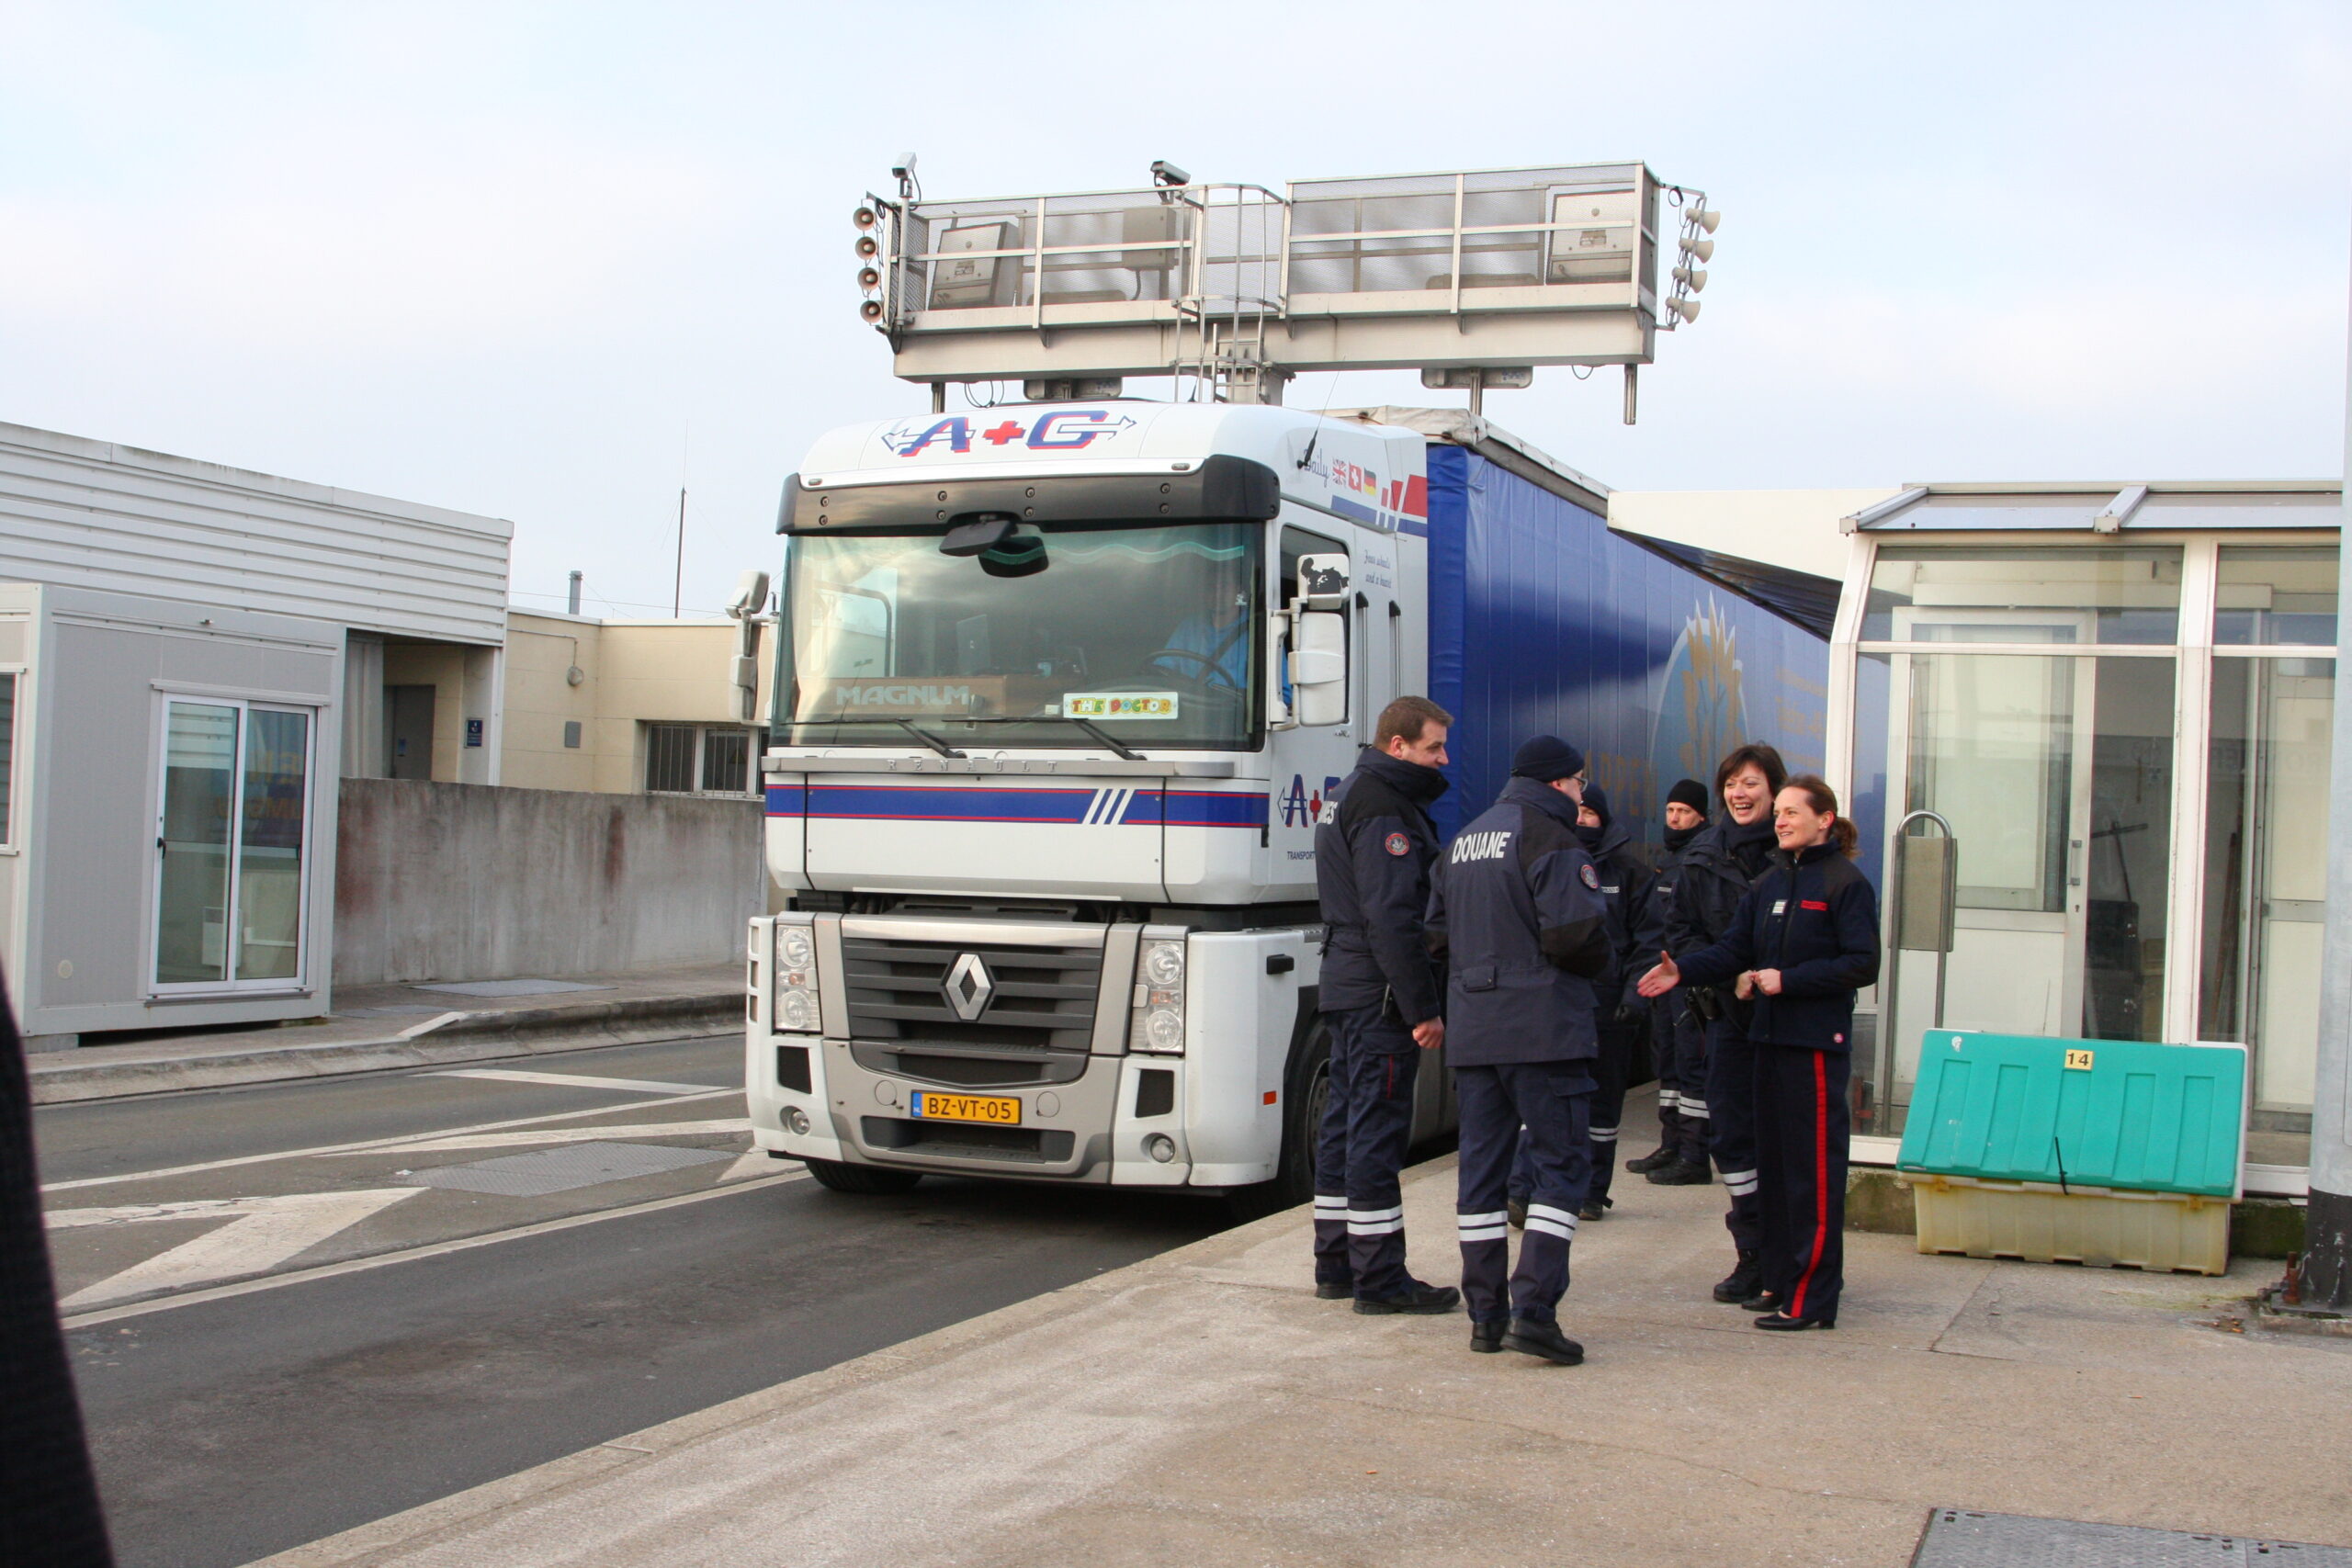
(1043,1000)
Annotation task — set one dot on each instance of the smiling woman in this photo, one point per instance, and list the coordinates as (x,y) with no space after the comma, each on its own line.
(1149,632)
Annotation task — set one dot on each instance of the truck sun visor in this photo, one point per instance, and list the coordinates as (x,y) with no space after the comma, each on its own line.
(1222,486)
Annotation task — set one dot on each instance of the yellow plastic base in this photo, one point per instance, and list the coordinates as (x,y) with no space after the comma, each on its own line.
(2040,1224)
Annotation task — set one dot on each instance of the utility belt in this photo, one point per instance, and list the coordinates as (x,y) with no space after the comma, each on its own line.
(1715,1003)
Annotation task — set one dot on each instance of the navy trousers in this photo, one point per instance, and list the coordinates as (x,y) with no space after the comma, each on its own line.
(1611,1068)
(1359,1148)
(1679,1047)
(1544,1107)
(1731,1120)
(1801,1126)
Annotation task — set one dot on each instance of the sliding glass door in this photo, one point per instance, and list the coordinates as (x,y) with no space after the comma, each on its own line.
(231,837)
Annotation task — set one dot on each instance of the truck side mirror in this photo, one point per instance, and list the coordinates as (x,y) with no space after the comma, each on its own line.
(1318,665)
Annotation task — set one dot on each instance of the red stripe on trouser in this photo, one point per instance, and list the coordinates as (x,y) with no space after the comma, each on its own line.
(1820,1180)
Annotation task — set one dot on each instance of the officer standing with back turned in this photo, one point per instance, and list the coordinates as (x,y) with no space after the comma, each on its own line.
(1516,908)
(1380,998)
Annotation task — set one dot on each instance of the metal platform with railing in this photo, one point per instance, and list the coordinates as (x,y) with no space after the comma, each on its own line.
(1239,288)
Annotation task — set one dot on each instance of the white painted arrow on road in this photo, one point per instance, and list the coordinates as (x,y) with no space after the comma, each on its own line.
(261,1233)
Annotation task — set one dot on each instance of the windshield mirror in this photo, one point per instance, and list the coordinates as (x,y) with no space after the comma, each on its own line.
(1152,634)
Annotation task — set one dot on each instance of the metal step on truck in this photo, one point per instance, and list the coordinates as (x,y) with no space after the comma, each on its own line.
(1060,689)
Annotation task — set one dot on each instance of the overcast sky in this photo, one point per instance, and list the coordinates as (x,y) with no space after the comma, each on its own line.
(541,260)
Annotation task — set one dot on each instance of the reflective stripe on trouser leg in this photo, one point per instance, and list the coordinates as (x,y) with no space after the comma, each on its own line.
(1489,1140)
(1377,1089)
(1731,1120)
(1331,1240)
(1606,1106)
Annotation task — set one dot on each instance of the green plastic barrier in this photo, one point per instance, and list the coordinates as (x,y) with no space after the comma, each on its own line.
(2094,1113)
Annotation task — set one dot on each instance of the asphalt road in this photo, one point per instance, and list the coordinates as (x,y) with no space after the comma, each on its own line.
(226,1429)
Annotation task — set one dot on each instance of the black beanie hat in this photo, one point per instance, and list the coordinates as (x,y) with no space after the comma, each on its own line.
(1546,758)
(1596,797)
(1689,793)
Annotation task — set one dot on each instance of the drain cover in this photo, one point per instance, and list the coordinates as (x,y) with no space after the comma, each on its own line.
(560,1170)
(1958,1538)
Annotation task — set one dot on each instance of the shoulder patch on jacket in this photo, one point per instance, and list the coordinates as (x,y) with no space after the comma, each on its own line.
(1398,844)
(1591,877)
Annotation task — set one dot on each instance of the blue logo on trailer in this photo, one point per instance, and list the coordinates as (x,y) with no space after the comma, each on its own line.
(1702,701)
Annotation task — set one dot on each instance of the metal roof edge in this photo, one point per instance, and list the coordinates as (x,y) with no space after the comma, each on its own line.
(1460,427)
(2117,487)
(89,449)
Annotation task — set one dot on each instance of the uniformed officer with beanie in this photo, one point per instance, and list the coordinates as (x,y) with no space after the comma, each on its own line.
(1677,1034)
(1636,925)
(1380,998)
(1516,910)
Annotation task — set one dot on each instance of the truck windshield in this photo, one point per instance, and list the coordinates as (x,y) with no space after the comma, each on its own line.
(1150,635)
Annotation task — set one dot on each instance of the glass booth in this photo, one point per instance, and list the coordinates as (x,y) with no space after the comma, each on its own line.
(2098,727)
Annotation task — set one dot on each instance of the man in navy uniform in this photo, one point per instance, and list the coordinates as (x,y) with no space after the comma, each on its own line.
(1381,998)
(1516,910)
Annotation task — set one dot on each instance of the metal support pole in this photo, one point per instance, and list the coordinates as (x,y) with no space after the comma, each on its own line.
(571,596)
(939,396)
(2326,1275)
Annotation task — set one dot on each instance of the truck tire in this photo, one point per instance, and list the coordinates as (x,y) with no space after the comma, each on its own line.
(867,1181)
(1305,1092)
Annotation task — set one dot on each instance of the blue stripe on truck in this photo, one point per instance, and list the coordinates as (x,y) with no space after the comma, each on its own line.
(955,802)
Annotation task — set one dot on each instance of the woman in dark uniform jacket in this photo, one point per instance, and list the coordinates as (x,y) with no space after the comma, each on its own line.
(1807,936)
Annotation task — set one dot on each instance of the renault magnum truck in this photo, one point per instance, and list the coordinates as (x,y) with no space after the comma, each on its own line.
(1060,690)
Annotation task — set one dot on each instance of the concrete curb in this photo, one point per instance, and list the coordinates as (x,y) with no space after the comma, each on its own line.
(456,1038)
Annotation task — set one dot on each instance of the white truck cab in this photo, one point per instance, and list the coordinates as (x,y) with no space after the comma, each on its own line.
(1059,690)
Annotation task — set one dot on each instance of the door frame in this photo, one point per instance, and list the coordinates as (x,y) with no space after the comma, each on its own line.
(150,944)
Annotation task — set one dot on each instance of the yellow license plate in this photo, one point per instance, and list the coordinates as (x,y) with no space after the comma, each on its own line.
(999,1110)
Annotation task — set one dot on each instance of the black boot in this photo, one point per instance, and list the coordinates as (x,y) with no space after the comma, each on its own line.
(1335,1291)
(1595,1208)
(1485,1339)
(1516,1209)
(1419,1299)
(1743,1281)
(1681,1173)
(1543,1339)
(1658,1159)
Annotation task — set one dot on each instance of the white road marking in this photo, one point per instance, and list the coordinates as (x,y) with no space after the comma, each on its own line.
(261,1233)
(758,1162)
(429,1142)
(572,1080)
(366,1143)
(435,1249)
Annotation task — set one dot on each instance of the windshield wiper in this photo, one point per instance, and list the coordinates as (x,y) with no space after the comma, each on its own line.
(1100,737)
(928,738)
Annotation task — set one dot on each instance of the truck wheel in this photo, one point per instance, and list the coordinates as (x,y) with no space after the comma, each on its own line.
(1304,1097)
(867,1181)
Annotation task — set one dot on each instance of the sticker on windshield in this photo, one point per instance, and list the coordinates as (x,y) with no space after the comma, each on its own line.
(1119,705)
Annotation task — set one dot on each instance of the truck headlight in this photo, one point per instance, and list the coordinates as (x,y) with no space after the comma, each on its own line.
(1158,1021)
(796,1009)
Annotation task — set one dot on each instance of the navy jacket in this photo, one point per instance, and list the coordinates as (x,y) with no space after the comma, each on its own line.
(1814,917)
(1713,874)
(1373,847)
(1635,918)
(1516,910)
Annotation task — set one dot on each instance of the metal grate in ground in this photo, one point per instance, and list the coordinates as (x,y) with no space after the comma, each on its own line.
(560,1170)
(1960,1538)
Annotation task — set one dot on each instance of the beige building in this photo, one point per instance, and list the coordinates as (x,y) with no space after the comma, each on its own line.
(627,708)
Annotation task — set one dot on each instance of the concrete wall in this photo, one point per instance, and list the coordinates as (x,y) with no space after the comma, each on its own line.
(632,673)
(460,881)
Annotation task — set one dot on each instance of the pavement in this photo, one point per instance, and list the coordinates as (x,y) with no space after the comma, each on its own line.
(1203,1406)
(384,1027)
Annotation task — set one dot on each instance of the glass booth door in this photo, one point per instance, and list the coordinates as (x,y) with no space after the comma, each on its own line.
(2054,772)
(231,835)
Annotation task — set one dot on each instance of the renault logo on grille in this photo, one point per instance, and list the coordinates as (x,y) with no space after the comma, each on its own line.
(968,986)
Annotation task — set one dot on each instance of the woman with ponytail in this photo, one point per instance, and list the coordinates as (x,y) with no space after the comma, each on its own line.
(1806,937)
